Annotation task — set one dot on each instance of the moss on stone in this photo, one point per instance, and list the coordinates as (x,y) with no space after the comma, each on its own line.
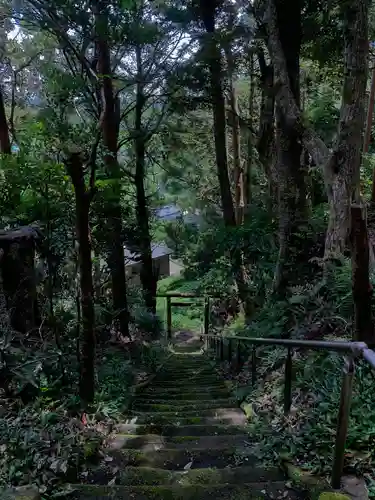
(21,493)
(333,495)
(188,492)
(145,476)
(248,410)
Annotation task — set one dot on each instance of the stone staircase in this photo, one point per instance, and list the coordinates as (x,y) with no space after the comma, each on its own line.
(185,440)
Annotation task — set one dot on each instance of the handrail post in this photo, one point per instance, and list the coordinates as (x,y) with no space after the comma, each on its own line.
(169,318)
(229,350)
(221,348)
(342,422)
(253,365)
(288,382)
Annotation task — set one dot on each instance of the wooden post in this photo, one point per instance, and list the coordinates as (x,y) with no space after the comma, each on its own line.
(169,318)
(288,382)
(229,350)
(342,422)
(362,288)
(238,357)
(253,365)
(206,315)
(221,348)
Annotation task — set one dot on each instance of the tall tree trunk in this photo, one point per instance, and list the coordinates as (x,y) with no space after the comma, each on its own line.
(290,180)
(110,129)
(238,173)
(5,147)
(345,161)
(148,276)
(218,108)
(247,188)
(341,167)
(83,198)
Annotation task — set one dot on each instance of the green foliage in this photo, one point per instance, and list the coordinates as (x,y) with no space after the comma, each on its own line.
(308,434)
(323,111)
(209,258)
(115,376)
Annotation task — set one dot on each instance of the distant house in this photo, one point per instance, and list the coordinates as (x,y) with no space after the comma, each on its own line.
(160,260)
(173,212)
(168,212)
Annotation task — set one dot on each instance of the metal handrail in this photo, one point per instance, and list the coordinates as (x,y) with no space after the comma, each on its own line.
(355,348)
(351,350)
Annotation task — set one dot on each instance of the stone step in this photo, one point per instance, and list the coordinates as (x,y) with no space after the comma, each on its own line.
(148,476)
(178,375)
(187,384)
(253,491)
(156,441)
(190,405)
(233,416)
(188,362)
(177,459)
(196,374)
(181,394)
(167,429)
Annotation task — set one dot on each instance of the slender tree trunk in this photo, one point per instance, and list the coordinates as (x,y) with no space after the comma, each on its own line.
(368,131)
(266,141)
(247,188)
(5,147)
(370,115)
(218,108)
(218,105)
(87,341)
(110,129)
(148,276)
(238,173)
(345,161)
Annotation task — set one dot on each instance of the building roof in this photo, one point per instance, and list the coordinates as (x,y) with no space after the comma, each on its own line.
(168,212)
(158,250)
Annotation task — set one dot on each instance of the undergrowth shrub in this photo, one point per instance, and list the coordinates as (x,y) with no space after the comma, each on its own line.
(307,435)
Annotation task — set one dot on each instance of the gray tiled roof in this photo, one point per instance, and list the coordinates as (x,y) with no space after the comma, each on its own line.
(158,250)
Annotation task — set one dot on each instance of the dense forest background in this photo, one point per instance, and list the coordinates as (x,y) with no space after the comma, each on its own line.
(254,119)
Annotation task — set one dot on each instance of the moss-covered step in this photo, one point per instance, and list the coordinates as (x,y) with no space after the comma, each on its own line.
(184,366)
(182,406)
(185,377)
(233,416)
(189,383)
(175,401)
(21,493)
(182,393)
(254,491)
(148,476)
(157,441)
(186,362)
(177,459)
(167,429)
